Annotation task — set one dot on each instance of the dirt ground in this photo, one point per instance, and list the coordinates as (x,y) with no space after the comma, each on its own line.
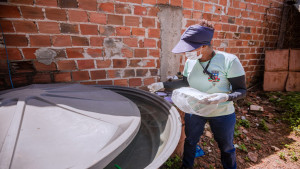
(259,145)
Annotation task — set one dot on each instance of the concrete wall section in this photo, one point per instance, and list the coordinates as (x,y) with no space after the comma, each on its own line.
(171,22)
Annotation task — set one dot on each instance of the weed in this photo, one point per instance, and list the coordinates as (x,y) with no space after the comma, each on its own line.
(243,147)
(244,122)
(257,145)
(173,163)
(211,167)
(236,133)
(290,103)
(282,156)
(247,158)
(204,143)
(294,157)
(263,126)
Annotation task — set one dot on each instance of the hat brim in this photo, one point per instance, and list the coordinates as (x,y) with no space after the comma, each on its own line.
(183,46)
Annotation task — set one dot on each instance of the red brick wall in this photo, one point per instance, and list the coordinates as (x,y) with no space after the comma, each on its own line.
(77,29)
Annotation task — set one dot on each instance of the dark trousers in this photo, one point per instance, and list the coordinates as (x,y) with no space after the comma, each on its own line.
(223,130)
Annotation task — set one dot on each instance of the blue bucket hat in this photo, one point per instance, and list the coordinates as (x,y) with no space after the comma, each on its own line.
(194,37)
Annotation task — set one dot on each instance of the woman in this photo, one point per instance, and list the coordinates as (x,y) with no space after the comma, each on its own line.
(217,73)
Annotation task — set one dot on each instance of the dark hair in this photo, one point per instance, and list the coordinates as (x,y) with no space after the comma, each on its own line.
(206,23)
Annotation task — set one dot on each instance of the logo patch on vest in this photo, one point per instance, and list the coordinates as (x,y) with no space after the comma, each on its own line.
(215,76)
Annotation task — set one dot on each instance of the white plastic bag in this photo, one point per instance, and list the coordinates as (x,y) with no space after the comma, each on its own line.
(189,100)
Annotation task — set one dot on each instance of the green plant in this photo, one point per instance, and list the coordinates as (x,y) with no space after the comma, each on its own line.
(282,156)
(257,145)
(294,157)
(204,143)
(290,104)
(244,122)
(247,158)
(243,147)
(236,133)
(172,163)
(263,126)
(211,166)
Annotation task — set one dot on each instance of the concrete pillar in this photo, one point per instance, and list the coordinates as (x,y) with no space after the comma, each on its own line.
(171,23)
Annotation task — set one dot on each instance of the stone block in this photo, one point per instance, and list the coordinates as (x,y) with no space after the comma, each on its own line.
(275,81)
(294,64)
(277,60)
(293,82)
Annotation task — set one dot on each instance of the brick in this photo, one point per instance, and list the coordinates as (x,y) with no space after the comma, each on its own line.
(97,18)
(135,1)
(122,9)
(148,22)
(121,82)
(7,26)
(162,1)
(42,67)
(66,65)
(107,7)
(80,41)
(16,40)
(275,81)
(132,21)
(135,82)
(105,82)
(75,52)
(115,19)
(294,62)
(154,72)
(86,64)
(61,40)
(123,31)
(28,2)
(149,63)
(187,4)
(131,42)
(69,28)
(138,10)
(25,26)
(80,75)
(154,33)
(148,81)
(40,40)
(140,53)
(129,73)
(141,72)
(9,12)
(96,41)
(89,83)
(41,78)
(49,27)
(119,63)
(32,12)
(78,16)
(135,63)
(68,3)
(276,60)
(56,14)
(107,30)
(151,43)
(46,3)
(95,52)
(176,2)
(198,6)
(293,82)
(152,2)
(29,53)
(98,74)
(152,11)
(103,63)
(128,53)
(115,73)
(154,53)
(138,31)
(89,29)
(62,77)
(88,4)
(13,54)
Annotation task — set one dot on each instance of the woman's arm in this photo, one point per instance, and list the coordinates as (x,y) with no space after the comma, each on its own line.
(176,84)
(239,88)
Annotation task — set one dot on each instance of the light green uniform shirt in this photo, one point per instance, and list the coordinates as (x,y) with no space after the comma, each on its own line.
(224,66)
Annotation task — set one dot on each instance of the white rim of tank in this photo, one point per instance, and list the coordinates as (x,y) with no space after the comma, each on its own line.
(173,126)
(108,152)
